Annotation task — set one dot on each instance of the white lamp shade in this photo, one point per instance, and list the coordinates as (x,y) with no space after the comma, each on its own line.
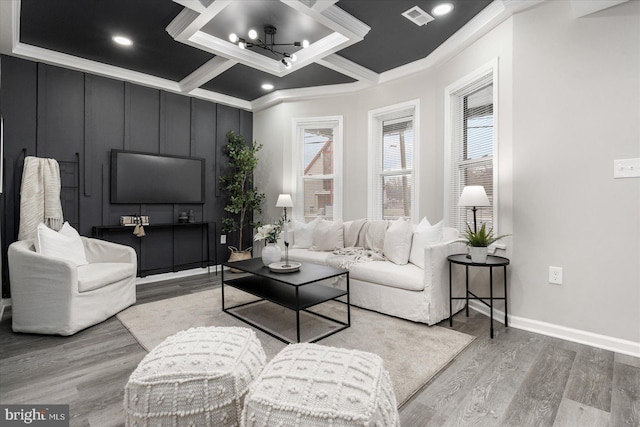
(284,201)
(473,195)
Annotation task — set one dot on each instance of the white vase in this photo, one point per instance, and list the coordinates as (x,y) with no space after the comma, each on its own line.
(478,254)
(271,253)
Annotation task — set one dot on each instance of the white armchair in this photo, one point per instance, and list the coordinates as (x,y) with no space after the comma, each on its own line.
(54,296)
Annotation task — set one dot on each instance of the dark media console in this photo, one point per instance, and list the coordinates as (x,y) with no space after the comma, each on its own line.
(206,229)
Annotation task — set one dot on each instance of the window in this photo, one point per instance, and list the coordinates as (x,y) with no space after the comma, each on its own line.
(392,150)
(318,159)
(471,138)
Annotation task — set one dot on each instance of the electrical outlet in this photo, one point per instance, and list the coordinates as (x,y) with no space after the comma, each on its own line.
(555,275)
(223,239)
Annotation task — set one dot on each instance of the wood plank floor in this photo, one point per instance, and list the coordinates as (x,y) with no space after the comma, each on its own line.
(517,379)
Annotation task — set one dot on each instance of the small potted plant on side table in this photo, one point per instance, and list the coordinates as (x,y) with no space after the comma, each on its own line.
(478,241)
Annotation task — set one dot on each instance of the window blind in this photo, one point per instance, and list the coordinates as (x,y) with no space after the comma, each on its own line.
(472,149)
(393,181)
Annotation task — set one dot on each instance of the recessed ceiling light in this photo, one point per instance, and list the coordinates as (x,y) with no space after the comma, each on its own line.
(442,9)
(124,41)
(267,86)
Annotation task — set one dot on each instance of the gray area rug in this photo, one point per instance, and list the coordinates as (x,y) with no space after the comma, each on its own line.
(412,352)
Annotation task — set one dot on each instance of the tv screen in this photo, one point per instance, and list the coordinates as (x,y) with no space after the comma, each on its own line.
(156,178)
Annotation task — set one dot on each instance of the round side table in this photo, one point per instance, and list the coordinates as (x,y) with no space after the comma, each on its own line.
(492,261)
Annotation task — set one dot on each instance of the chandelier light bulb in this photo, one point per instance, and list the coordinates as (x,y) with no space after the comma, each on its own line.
(233,38)
(293,57)
(253,34)
(305,43)
(286,63)
(242,44)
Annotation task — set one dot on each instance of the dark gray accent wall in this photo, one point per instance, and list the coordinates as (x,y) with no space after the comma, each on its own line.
(56,112)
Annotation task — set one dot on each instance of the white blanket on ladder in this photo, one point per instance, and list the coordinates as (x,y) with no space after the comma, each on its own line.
(39,196)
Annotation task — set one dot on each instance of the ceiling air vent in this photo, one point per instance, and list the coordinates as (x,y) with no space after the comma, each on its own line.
(417,16)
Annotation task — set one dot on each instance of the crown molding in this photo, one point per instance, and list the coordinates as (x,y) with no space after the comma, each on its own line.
(305,93)
(9,31)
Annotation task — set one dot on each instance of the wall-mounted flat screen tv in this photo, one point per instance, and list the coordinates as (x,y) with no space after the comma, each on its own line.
(156,178)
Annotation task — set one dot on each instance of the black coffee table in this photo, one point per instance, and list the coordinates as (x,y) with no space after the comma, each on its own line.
(297,291)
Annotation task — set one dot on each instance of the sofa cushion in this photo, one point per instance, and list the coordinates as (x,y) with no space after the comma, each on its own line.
(99,274)
(386,273)
(397,241)
(327,236)
(424,236)
(65,244)
(306,255)
(303,233)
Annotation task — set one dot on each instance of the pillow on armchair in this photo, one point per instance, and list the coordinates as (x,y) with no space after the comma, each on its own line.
(65,244)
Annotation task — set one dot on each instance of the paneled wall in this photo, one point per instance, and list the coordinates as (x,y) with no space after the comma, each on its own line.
(56,112)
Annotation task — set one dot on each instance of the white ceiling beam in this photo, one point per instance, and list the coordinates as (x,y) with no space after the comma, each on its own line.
(195,5)
(188,21)
(349,68)
(333,18)
(209,70)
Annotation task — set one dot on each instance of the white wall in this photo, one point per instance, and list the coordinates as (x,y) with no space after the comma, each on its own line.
(568,105)
(576,109)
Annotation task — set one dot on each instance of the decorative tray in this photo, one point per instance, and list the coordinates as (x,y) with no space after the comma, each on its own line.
(281,267)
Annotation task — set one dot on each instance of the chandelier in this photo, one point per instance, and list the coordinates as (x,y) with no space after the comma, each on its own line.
(269,44)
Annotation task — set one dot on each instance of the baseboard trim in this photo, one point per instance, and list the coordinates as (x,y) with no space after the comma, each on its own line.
(618,345)
(175,275)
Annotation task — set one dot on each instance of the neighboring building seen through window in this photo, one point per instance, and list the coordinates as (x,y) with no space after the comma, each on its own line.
(317,154)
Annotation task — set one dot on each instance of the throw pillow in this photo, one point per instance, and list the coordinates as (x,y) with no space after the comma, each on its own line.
(303,233)
(424,236)
(327,236)
(397,241)
(65,244)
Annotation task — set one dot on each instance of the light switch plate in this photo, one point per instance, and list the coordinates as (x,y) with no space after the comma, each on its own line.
(626,168)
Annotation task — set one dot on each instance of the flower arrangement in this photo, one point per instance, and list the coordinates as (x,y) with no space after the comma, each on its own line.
(269,232)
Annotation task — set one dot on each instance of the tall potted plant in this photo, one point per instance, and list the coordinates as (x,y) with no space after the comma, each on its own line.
(243,198)
(478,241)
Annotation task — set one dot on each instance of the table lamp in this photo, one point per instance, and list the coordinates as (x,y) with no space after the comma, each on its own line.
(284,201)
(474,196)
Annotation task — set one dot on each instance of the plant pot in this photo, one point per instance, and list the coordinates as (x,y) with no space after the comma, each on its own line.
(271,253)
(478,254)
(237,255)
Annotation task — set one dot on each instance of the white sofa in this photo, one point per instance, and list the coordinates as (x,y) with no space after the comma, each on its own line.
(408,291)
(55,296)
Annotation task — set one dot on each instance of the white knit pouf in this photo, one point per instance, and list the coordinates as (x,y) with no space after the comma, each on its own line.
(198,377)
(310,385)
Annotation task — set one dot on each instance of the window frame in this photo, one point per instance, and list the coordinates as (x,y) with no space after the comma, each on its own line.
(297,171)
(376,119)
(452,94)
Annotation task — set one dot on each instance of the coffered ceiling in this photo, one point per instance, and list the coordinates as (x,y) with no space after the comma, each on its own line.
(183,45)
